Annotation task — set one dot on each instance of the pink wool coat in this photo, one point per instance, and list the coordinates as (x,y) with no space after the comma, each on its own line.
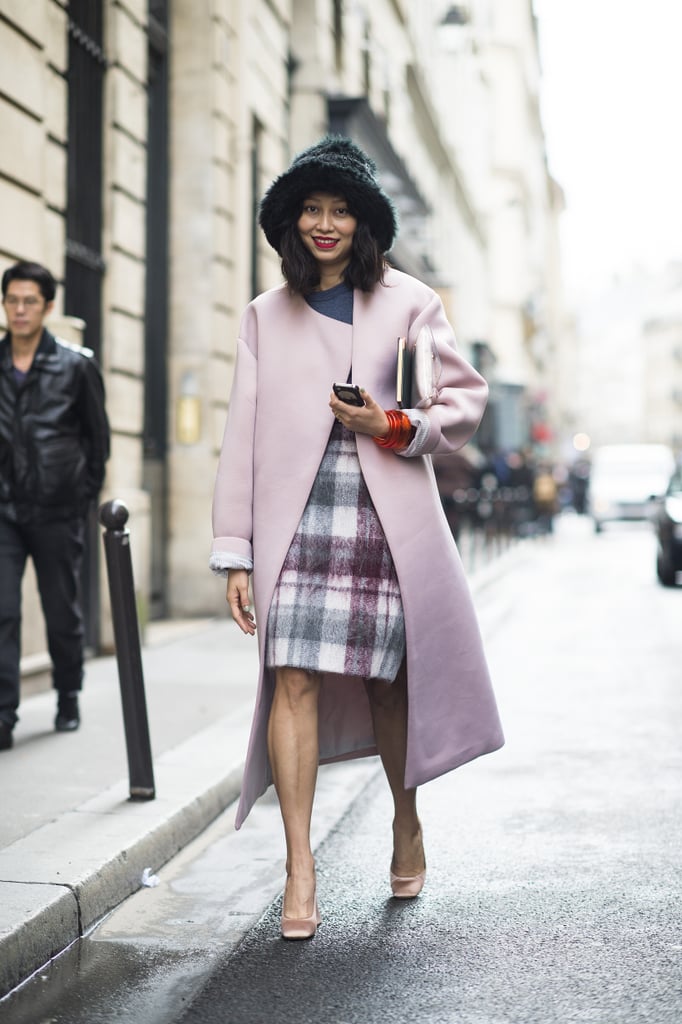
(276,433)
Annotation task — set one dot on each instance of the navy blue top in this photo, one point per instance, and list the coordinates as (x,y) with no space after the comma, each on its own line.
(336,302)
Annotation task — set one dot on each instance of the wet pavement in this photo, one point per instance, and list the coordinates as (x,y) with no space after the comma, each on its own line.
(554,878)
(553,891)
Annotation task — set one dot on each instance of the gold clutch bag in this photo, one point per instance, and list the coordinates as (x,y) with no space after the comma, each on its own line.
(418,371)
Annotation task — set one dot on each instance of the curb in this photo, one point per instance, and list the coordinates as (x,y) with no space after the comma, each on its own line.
(60,880)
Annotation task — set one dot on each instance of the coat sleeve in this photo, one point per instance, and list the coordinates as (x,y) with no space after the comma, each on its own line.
(94,423)
(462,393)
(233,493)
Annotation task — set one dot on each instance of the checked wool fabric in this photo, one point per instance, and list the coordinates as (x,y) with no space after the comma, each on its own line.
(336,605)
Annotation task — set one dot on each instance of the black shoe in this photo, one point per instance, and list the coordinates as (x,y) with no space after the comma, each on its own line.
(6,738)
(68,718)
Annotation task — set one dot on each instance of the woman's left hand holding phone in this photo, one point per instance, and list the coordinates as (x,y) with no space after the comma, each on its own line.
(238,600)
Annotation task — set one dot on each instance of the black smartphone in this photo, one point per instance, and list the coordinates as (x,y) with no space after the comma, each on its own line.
(348,393)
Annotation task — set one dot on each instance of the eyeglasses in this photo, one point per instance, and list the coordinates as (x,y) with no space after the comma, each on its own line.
(29,302)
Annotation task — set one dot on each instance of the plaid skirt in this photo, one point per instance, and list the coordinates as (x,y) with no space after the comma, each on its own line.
(336,606)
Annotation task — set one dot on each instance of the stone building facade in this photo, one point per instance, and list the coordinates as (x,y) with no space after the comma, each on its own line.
(629,361)
(143,133)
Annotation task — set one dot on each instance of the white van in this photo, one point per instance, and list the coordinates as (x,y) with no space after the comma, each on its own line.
(624,478)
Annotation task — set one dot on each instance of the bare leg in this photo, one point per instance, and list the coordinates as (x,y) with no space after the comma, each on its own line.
(388,702)
(293,751)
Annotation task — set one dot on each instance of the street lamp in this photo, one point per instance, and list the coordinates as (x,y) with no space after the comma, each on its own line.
(456,14)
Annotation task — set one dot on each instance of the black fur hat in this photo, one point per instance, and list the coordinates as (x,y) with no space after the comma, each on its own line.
(334,164)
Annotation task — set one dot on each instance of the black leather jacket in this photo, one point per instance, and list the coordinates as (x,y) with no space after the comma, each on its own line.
(54,433)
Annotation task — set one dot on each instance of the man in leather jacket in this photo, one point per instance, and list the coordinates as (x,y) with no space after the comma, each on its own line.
(54,442)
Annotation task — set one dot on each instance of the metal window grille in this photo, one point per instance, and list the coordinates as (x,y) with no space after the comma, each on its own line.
(84,262)
(256,145)
(156,305)
(157,282)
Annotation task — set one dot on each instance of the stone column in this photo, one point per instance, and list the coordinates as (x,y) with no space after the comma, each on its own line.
(197,241)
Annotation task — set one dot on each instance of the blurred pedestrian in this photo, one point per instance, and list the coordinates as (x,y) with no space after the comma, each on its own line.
(545,497)
(334,507)
(520,478)
(54,441)
(579,478)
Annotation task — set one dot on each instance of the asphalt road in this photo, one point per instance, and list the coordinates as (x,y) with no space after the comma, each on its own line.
(553,890)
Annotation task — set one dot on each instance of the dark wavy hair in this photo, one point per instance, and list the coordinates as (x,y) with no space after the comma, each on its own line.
(301,271)
(27,271)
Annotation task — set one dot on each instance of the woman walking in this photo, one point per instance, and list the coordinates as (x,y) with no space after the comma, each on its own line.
(368,640)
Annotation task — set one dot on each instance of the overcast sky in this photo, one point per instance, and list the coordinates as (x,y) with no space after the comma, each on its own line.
(612,99)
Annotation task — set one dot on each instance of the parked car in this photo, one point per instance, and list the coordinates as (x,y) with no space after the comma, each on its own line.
(668,526)
(625,479)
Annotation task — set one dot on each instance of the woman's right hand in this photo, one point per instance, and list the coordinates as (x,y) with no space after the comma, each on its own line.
(238,600)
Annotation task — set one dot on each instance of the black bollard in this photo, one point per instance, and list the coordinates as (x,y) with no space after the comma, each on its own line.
(113,515)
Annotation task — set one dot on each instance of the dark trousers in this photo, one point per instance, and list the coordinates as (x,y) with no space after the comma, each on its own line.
(57,553)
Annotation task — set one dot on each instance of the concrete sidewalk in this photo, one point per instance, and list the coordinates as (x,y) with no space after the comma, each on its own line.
(72,844)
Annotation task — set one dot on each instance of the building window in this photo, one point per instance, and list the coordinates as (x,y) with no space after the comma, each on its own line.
(157,287)
(84,266)
(157,278)
(338,35)
(367,59)
(256,144)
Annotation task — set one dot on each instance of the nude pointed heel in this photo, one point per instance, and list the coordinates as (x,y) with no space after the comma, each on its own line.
(301,927)
(407,887)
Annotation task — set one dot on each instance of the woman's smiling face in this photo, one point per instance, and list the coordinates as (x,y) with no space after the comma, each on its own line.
(326,228)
